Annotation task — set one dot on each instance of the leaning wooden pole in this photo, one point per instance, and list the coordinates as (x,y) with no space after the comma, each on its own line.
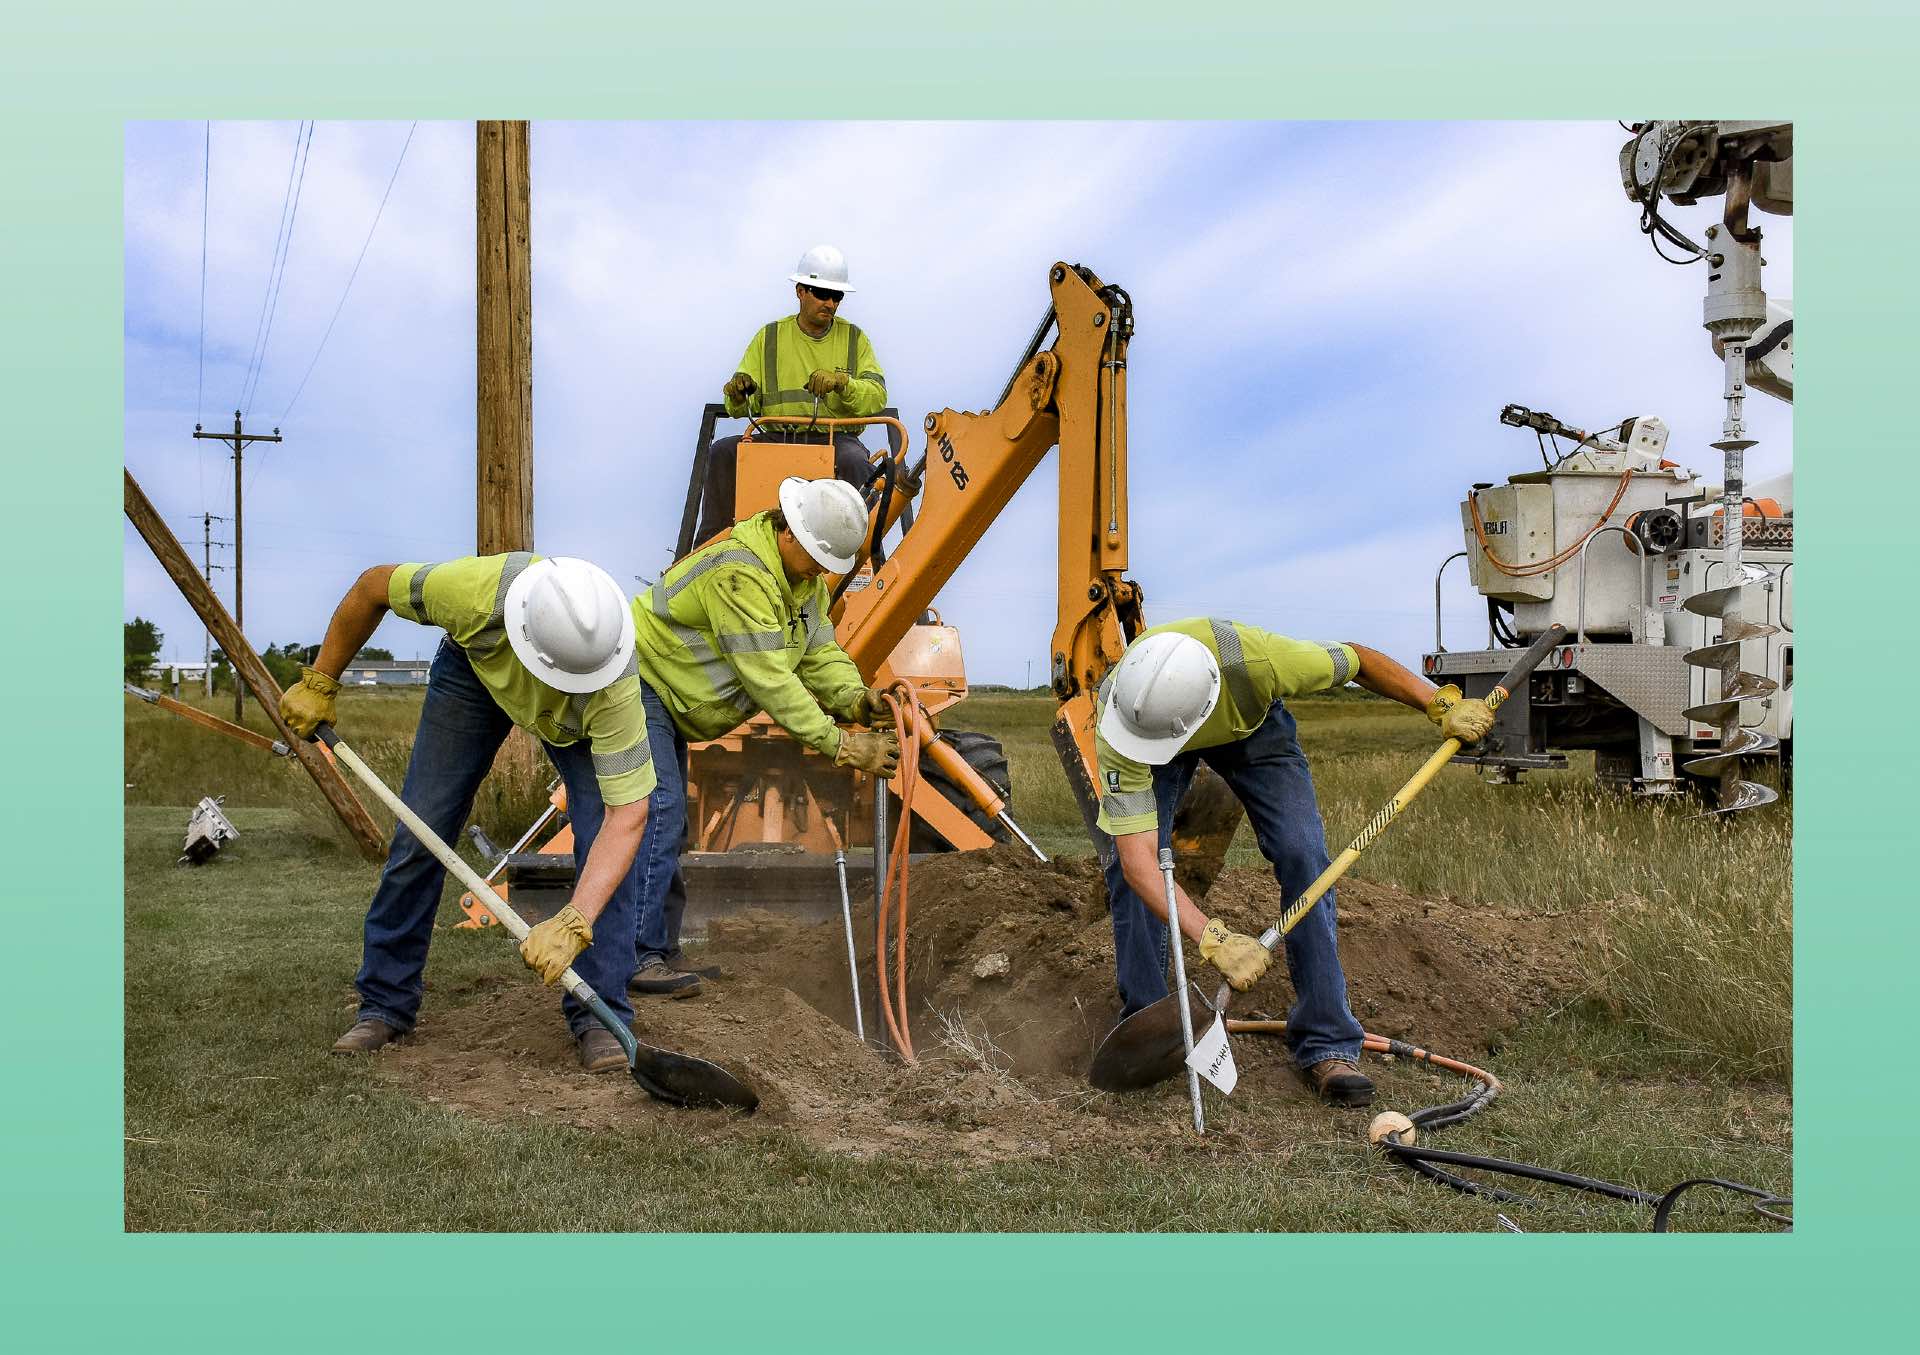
(503,331)
(173,558)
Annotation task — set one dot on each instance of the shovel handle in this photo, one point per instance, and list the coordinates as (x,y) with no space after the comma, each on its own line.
(1529,660)
(515,925)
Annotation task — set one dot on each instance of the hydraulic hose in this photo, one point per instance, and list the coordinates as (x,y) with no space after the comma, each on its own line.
(1431,1162)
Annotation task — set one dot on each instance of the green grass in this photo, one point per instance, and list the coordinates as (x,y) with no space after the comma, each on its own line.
(238,977)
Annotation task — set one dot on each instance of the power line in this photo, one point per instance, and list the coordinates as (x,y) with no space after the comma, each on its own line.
(351,276)
(206,174)
(292,218)
(273,268)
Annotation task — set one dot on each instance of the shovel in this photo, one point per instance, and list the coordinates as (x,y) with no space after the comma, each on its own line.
(678,1079)
(1147,1048)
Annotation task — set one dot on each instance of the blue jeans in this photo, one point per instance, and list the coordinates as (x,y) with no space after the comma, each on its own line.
(461,728)
(1268,772)
(661,892)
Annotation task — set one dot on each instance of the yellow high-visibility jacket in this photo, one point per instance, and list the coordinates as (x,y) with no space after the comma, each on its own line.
(467,598)
(725,634)
(781,356)
(1257,668)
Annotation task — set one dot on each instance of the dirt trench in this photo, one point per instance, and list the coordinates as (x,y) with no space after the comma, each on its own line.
(1010,988)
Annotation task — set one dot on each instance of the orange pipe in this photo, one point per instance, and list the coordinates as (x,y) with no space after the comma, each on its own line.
(908,715)
(1379,1044)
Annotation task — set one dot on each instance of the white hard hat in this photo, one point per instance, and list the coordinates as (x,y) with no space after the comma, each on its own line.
(822,266)
(828,518)
(570,624)
(1161,691)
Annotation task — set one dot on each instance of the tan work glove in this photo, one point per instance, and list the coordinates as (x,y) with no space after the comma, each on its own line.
(308,704)
(1240,959)
(876,751)
(871,708)
(824,382)
(739,386)
(1463,718)
(555,944)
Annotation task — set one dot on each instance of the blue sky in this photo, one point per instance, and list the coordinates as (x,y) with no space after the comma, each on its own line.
(1329,317)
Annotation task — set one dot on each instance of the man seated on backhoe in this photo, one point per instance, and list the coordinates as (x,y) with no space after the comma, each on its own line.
(738,627)
(1162,714)
(545,644)
(811,362)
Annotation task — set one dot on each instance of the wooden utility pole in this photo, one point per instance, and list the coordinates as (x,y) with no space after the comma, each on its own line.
(248,668)
(238,440)
(504,337)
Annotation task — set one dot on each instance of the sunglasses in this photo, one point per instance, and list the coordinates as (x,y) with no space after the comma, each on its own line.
(823,293)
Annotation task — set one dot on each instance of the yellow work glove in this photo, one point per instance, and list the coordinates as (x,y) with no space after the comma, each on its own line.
(1463,718)
(824,382)
(876,751)
(739,386)
(556,943)
(871,708)
(308,704)
(1240,959)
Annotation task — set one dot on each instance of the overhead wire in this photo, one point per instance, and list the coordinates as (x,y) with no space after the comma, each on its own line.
(279,284)
(351,276)
(273,267)
(200,381)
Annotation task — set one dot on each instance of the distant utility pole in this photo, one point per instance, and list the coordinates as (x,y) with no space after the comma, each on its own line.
(238,440)
(503,294)
(207,543)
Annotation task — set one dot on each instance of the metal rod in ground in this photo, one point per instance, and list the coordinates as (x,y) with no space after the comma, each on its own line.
(879,873)
(1021,833)
(846,916)
(1180,979)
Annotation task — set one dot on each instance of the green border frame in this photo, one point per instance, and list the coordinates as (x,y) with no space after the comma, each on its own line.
(71,76)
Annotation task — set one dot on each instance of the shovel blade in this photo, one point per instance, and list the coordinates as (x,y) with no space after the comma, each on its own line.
(685,1080)
(1146,1048)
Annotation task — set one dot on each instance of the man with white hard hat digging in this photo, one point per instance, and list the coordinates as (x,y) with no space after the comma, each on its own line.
(545,644)
(806,363)
(738,627)
(1163,711)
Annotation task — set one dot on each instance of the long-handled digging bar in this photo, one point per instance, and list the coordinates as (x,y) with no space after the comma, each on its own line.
(678,1079)
(1179,945)
(1147,1048)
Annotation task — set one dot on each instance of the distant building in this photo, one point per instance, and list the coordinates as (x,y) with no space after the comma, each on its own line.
(386,673)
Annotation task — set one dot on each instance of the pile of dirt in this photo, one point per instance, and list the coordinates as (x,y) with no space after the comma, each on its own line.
(1010,988)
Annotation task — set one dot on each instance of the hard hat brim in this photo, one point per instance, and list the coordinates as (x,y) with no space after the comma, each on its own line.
(1151,752)
(790,505)
(815,280)
(560,679)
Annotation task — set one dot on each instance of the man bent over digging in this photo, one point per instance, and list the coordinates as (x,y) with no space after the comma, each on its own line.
(545,644)
(1163,713)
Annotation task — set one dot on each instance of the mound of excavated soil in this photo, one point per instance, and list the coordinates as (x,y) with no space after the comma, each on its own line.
(1010,987)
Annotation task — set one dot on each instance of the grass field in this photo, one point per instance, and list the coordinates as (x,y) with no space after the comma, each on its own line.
(1676,1063)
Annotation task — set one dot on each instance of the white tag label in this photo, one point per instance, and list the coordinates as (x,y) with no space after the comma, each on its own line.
(1212,1058)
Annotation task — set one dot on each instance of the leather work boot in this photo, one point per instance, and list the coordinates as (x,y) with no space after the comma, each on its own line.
(678,959)
(1339,1082)
(366,1037)
(600,1052)
(657,978)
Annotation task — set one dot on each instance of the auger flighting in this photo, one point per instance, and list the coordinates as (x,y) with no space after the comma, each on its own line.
(1735,309)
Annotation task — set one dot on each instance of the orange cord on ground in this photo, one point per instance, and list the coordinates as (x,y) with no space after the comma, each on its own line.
(1514,571)
(1378,1044)
(893,898)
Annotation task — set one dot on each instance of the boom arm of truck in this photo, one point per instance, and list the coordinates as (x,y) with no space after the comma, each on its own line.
(1073,395)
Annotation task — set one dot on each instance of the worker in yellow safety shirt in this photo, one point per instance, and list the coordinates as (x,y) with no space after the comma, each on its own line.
(1163,711)
(544,644)
(809,363)
(738,627)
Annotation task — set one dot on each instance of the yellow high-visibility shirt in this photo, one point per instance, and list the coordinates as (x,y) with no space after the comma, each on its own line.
(467,598)
(781,356)
(1257,668)
(725,633)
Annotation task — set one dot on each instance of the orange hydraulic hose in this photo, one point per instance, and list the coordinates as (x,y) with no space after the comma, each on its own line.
(1379,1044)
(907,713)
(1514,571)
